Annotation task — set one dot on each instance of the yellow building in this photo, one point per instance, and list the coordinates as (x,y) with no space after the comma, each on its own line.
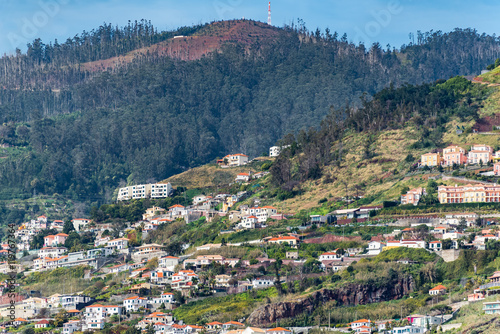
(431,159)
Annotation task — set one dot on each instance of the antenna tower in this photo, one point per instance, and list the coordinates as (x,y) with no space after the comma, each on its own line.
(269,14)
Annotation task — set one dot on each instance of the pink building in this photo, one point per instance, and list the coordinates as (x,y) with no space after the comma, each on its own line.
(454,154)
(496,168)
(412,196)
(54,240)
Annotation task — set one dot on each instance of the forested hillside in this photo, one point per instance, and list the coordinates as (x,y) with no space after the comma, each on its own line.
(82,133)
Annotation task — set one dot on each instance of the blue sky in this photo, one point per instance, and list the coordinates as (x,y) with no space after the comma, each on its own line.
(387,22)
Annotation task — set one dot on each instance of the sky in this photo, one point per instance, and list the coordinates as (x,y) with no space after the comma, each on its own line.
(367,21)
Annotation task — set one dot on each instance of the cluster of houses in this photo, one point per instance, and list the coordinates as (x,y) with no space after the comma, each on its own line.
(418,324)
(456,155)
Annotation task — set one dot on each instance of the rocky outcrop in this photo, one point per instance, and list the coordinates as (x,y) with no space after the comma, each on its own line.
(350,294)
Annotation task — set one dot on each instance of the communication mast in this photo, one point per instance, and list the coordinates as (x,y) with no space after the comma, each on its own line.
(269,14)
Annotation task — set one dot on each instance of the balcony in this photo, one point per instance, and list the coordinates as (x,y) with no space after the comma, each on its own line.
(489,285)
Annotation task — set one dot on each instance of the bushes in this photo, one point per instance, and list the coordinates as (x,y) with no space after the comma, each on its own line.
(395,254)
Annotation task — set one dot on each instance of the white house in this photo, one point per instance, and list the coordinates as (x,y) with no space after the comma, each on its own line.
(168,261)
(51,252)
(262,283)
(375,247)
(243,177)
(118,244)
(435,246)
(234,160)
(134,303)
(333,255)
(274,151)
(164,298)
(71,326)
(248,222)
(80,223)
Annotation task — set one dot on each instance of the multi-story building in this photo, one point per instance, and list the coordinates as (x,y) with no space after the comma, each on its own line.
(454,155)
(168,261)
(118,244)
(134,303)
(431,159)
(233,160)
(80,223)
(51,252)
(496,168)
(55,240)
(413,196)
(469,193)
(491,307)
(71,326)
(274,151)
(152,190)
(166,297)
(261,213)
(480,153)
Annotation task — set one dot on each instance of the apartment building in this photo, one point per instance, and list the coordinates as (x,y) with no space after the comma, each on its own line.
(152,190)
(454,155)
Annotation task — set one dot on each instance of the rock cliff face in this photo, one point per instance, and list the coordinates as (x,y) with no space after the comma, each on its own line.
(351,294)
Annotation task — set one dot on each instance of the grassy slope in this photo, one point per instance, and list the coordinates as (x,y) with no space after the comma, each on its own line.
(208,176)
(492,76)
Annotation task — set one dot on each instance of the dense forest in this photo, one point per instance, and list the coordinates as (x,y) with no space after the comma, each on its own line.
(83,134)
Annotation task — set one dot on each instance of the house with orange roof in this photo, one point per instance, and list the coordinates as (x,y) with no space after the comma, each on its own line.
(438,290)
(248,222)
(160,276)
(71,326)
(232,325)
(134,303)
(233,160)
(286,240)
(214,325)
(20,321)
(435,246)
(164,298)
(168,261)
(193,329)
(332,255)
(156,317)
(279,330)
(243,177)
(360,324)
